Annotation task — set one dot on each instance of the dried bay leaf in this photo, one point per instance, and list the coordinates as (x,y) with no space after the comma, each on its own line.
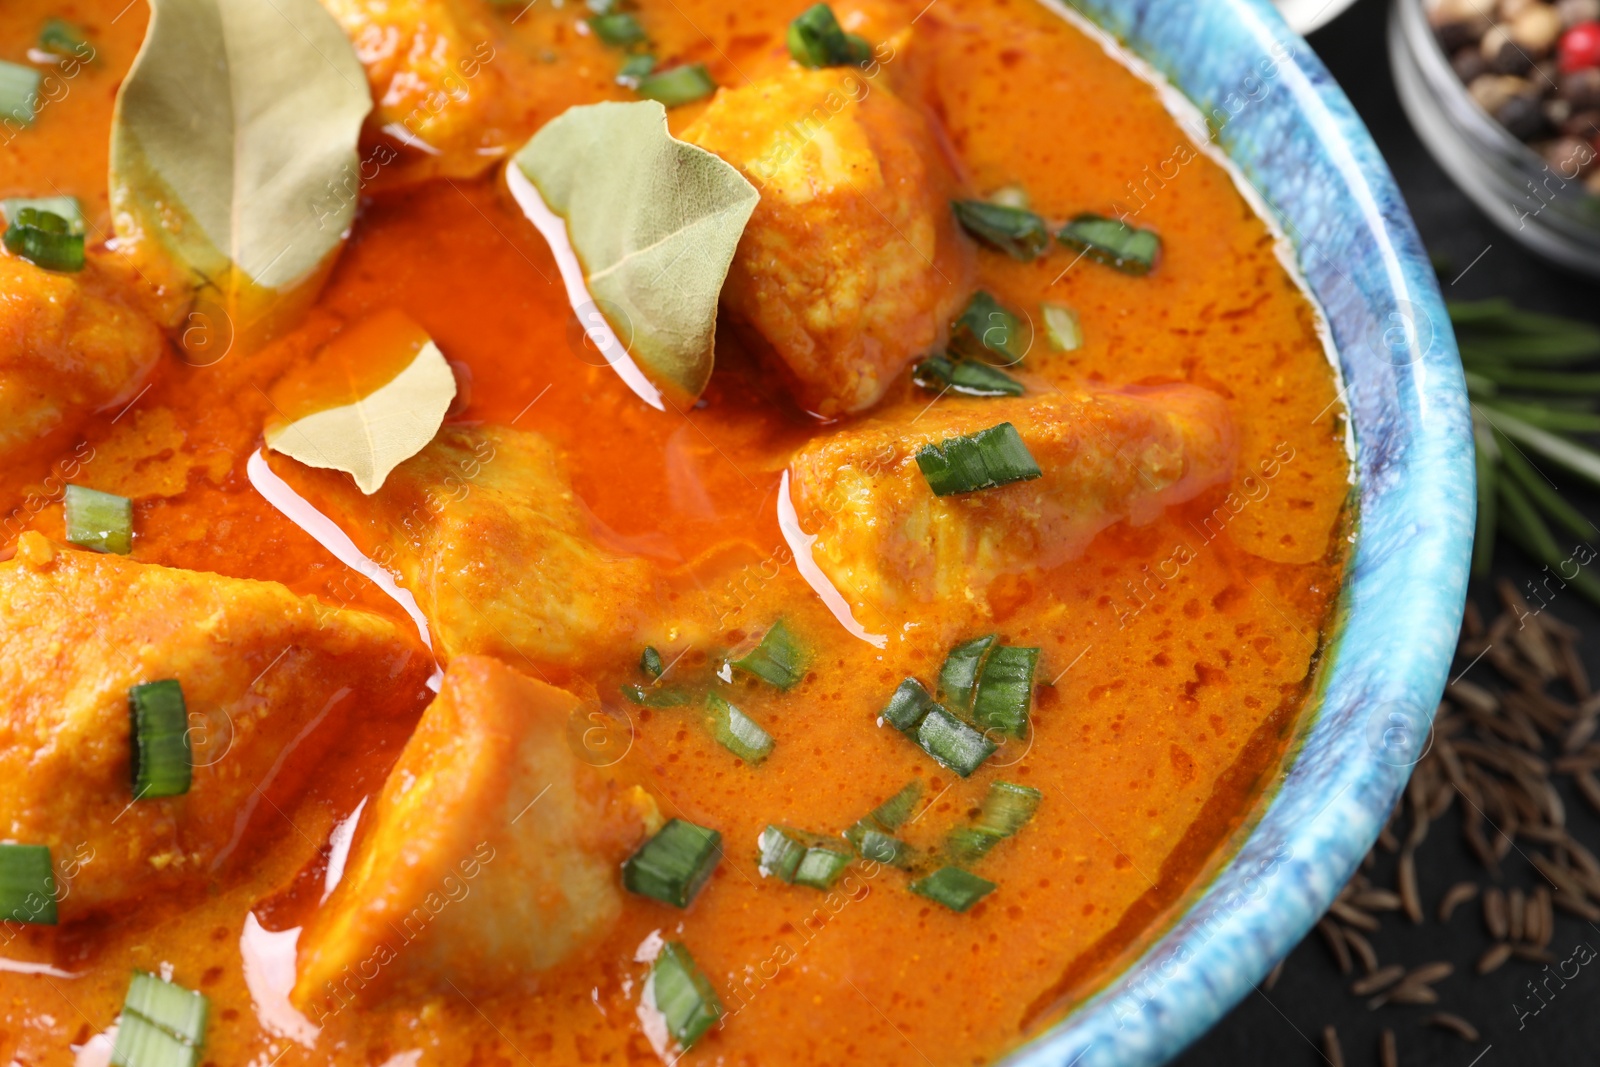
(233,119)
(654,223)
(370,400)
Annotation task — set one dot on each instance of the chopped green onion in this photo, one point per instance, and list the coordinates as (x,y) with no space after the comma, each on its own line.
(62,38)
(1062,328)
(987,327)
(619,29)
(162,1024)
(679,85)
(880,847)
(968,377)
(777,660)
(907,706)
(650,696)
(987,459)
(179,1011)
(162,764)
(650,662)
(958,678)
(27,885)
(634,68)
(823,863)
(1011,229)
(600,7)
(873,836)
(782,849)
(19,94)
(736,731)
(1114,243)
(683,995)
(1006,809)
(1005,690)
(953,887)
(674,864)
(64,207)
(99,520)
(44,238)
(952,742)
(892,813)
(802,858)
(817,40)
(141,1043)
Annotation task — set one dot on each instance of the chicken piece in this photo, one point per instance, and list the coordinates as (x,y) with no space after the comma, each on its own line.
(484,529)
(886,541)
(435,85)
(270,680)
(850,267)
(69,346)
(491,853)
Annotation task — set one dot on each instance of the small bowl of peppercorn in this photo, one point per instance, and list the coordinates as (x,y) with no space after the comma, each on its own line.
(1506,95)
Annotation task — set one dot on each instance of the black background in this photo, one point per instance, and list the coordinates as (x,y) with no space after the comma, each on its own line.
(1284,1025)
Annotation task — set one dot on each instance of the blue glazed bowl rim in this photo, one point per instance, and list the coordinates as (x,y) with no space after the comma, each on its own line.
(1384,662)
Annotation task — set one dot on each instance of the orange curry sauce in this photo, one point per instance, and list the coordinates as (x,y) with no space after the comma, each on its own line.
(1176,655)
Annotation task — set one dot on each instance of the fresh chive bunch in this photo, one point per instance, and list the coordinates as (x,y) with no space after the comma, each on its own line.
(1531,400)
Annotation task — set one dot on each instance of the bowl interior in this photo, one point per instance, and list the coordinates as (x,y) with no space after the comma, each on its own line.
(1313,170)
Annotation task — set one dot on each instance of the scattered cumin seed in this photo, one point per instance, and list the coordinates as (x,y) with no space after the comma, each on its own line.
(1516,911)
(1576,676)
(1376,900)
(1429,973)
(1494,913)
(1456,1024)
(1492,959)
(1576,906)
(1330,1047)
(1539,906)
(1473,696)
(1589,786)
(1388,1053)
(1411,899)
(1408,993)
(1377,981)
(1363,948)
(1582,730)
(1355,916)
(1454,897)
(1332,934)
(1273,976)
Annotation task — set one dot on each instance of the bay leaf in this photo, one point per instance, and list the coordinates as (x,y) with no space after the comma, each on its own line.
(233,120)
(654,222)
(370,400)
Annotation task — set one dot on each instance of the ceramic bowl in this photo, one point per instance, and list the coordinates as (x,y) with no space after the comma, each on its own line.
(1306,158)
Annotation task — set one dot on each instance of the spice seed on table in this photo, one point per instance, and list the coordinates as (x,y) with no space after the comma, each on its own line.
(1388,1051)
(1330,1047)
(1456,1024)
(1379,980)
(1494,958)
(1494,913)
(1362,948)
(1335,939)
(1456,896)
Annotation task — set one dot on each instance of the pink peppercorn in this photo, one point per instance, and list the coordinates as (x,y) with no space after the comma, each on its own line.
(1580,47)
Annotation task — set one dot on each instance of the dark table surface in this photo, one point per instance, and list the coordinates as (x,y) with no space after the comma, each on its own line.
(1284,1025)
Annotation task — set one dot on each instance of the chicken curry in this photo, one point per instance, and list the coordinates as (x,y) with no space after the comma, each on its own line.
(843,638)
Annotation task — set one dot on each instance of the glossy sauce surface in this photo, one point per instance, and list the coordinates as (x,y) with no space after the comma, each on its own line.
(1176,653)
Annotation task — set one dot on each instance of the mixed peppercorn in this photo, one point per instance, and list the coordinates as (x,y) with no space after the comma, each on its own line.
(1535,67)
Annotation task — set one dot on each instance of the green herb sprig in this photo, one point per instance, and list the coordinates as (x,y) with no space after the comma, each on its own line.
(1532,402)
